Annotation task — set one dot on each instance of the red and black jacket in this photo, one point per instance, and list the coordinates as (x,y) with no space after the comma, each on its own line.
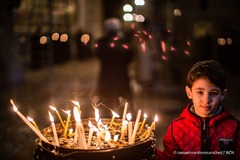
(190,137)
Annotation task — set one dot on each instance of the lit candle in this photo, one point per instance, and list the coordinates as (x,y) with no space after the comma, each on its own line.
(114,115)
(152,127)
(107,139)
(124,117)
(90,134)
(53,128)
(38,133)
(79,132)
(60,118)
(124,129)
(97,117)
(115,141)
(129,117)
(143,123)
(136,126)
(77,104)
(33,122)
(70,132)
(67,122)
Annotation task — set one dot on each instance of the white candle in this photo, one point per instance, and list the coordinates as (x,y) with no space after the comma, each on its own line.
(53,128)
(79,133)
(136,126)
(129,117)
(90,134)
(38,133)
(75,133)
(99,142)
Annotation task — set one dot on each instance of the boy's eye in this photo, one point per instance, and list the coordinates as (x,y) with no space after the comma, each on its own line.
(214,93)
(200,92)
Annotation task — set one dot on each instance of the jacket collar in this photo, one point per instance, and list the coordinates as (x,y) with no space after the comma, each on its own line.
(220,114)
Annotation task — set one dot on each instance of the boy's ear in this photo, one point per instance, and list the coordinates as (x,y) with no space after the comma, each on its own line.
(224,93)
(188,92)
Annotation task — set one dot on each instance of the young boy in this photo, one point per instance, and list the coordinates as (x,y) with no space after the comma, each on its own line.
(205,130)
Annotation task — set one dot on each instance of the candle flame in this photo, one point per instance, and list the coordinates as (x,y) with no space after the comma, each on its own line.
(30,119)
(97,117)
(115,114)
(115,38)
(115,138)
(75,102)
(53,108)
(14,107)
(95,129)
(129,116)
(125,123)
(145,115)
(90,125)
(107,136)
(76,114)
(50,116)
(156,118)
(67,112)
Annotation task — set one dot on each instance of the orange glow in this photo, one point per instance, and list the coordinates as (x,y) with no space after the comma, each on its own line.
(85,38)
(43,40)
(64,37)
(55,36)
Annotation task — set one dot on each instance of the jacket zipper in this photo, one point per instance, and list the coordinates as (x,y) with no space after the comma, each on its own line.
(205,138)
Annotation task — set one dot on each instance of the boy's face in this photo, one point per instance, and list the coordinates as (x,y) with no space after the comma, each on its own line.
(205,96)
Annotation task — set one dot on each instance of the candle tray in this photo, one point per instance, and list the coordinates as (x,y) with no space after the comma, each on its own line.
(140,150)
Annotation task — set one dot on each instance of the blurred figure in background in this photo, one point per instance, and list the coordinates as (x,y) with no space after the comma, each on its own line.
(115,54)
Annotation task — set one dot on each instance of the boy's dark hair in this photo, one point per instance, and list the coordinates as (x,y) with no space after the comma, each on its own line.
(210,69)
